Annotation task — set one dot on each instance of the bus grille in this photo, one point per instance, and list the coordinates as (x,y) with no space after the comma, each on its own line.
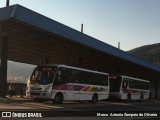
(36,88)
(33,93)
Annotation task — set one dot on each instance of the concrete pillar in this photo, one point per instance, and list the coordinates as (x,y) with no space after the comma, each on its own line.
(80,62)
(42,56)
(3,67)
(7,3)
(156,89)
(152,88)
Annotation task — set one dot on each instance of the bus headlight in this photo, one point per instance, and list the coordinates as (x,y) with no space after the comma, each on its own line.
(47,89)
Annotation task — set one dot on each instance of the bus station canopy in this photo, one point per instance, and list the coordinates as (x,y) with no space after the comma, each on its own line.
(33,37)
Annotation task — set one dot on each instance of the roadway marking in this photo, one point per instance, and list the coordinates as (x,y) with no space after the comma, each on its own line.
(117,103)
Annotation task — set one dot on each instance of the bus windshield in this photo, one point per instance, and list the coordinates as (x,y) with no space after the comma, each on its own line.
(43,75)
(115,83)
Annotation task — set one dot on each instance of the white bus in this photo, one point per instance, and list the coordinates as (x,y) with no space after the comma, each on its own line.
(61,82)
(128,88)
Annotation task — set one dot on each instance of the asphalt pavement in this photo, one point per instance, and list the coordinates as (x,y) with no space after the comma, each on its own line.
(82,110)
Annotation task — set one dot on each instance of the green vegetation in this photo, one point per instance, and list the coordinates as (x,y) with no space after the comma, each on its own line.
(149,53)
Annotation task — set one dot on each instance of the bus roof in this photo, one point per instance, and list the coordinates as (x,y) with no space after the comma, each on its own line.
(76,68)
(134,78)
(123,76)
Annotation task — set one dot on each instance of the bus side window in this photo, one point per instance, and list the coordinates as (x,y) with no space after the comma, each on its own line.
(63,75)
(59,75)
(59,78)
(125,84)
(105,80)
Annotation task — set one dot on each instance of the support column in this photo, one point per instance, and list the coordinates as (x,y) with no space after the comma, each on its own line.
(3,67)
(42,56)
(156,89)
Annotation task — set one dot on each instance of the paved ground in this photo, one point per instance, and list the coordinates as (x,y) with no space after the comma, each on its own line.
(83,109)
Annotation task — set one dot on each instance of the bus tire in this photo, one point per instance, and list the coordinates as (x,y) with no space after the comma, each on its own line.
(128,97)
(141,98)
(94,98)
(58,99)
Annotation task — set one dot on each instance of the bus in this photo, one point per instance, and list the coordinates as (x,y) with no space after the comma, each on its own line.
(61,82)
(128,88)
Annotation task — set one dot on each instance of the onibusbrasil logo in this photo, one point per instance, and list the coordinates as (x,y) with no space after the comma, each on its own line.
(21,114)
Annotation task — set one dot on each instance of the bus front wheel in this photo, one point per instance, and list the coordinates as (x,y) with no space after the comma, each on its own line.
(141,98)
(129,97)
(58,99)
(94,98)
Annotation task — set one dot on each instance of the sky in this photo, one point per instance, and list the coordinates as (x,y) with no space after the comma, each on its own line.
(133,23)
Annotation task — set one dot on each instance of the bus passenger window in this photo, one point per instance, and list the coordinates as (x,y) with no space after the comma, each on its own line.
(59,76)
(125,84)
(58,79)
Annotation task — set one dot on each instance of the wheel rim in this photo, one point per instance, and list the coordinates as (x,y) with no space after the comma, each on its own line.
(94,99)
(58,98)
(141,98)
(129,97)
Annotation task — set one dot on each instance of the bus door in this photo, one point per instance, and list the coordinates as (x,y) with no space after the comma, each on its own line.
(74,80)
(65,85)
(125,85)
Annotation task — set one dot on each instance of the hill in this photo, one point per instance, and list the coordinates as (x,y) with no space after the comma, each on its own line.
(149,53)
(18,72)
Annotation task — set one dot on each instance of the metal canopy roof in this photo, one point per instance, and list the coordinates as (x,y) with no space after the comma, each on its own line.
(32,18)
